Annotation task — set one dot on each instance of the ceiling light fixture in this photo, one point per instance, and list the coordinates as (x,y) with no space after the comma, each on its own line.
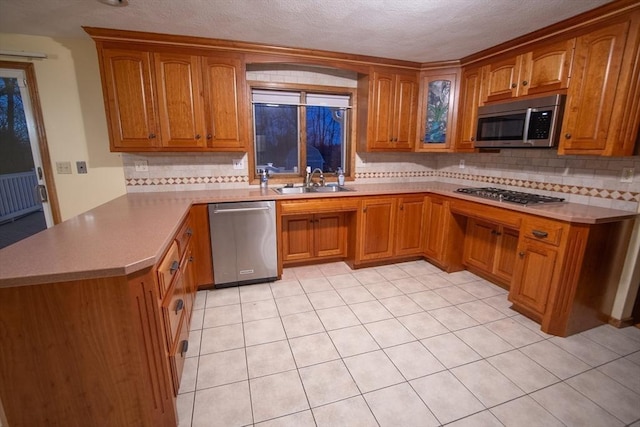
(116,3)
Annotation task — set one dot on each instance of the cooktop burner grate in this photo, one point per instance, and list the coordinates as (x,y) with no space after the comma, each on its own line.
(509,195)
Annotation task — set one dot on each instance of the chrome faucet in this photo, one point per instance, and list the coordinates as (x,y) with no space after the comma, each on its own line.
(308,177)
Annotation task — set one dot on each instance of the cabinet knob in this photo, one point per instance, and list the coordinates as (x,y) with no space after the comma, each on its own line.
(473,138)
(174,267)
(152,135)
(364,210)
(189,232)
(521,254)
(567,135)
(209,136)
(514,85)
(179,305)
(401,207)
(198,136)
(191,259)
(524,83)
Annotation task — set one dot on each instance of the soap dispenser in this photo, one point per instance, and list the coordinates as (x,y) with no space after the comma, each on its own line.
(340,177)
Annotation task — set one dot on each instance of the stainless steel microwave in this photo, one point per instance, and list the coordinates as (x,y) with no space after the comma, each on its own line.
(526,123)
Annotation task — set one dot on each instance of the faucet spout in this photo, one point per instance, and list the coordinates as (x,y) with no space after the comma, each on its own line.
(309,177)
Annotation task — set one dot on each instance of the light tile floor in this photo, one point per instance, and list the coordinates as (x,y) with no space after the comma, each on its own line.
(399,345)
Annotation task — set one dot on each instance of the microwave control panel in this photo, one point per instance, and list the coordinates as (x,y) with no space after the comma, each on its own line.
(540,124)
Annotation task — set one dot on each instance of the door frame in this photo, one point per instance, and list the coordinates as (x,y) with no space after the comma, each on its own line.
(32,87)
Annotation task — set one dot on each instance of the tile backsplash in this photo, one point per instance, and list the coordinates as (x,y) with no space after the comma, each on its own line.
(580,179)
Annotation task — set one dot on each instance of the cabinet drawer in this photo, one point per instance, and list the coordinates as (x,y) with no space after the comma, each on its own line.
(168,268)
(179,353)
(184,235)
(543,230)
(173,308)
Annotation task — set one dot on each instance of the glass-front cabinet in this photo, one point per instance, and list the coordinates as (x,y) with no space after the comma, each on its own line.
(438,95)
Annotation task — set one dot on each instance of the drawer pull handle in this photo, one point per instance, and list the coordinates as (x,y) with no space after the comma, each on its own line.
(179,305)
(540,234)
(174,267)
(184,346)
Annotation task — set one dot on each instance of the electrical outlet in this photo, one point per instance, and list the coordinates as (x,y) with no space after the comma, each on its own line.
(81,166)
(461,164)
(63,167)
(238,163)
(141,166)
(627,175)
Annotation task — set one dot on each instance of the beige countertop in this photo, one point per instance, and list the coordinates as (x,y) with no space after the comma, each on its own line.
(131,233)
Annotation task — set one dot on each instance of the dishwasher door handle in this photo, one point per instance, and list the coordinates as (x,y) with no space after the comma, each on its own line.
(217,211)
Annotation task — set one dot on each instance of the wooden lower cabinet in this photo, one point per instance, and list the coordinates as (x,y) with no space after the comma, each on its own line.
(490,249)
(307,237)
(533,275)
(410,229)
(376,228)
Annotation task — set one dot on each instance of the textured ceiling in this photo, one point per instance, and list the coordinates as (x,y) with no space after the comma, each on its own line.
(413,30)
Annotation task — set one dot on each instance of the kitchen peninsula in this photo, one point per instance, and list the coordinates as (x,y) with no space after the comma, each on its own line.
(110,298)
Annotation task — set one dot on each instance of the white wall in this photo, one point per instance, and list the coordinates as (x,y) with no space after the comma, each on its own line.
(74,119)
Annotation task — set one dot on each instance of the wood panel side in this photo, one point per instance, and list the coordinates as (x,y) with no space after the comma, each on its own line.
(58,341)
(203,262)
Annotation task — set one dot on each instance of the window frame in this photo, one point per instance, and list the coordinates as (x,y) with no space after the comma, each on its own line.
(350,151)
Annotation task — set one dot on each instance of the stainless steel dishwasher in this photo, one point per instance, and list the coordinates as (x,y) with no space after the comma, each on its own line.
(243,242)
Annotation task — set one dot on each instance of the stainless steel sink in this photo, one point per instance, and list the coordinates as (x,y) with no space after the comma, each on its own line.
(302,190)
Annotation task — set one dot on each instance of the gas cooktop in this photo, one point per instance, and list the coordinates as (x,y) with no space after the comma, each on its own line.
(509,195)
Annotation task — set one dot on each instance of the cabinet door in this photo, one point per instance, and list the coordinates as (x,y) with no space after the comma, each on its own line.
(409,233)
(546,69)
(180,100)
(532,277)
(480,244)
(330,235)
(382,110)
(468,111)
(502,79)
(590,99)
(297,237)
(436,222)
(129,98)
(405,112)
(377,223)
(437,109)
(224,84)
(505,256)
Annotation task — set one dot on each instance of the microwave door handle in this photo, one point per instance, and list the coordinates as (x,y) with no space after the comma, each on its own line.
(525,133)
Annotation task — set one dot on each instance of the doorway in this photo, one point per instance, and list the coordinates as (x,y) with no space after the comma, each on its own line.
(27,195)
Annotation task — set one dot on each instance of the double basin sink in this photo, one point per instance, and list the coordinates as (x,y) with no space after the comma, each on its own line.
(303,190)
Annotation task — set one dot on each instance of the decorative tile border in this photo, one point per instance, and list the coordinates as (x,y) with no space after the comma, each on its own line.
(627,196)
(132,182)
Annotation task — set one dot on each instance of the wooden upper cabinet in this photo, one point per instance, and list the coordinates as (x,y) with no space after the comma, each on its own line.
(542,70)
(224,84)
(470,98)
(600,93)
(128,88)
(437,107)
(180,102)
(546,68)
(392,112)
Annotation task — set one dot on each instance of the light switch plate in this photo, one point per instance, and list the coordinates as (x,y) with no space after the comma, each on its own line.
(141,166)
(63,167)
(461,164)
(238,164)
